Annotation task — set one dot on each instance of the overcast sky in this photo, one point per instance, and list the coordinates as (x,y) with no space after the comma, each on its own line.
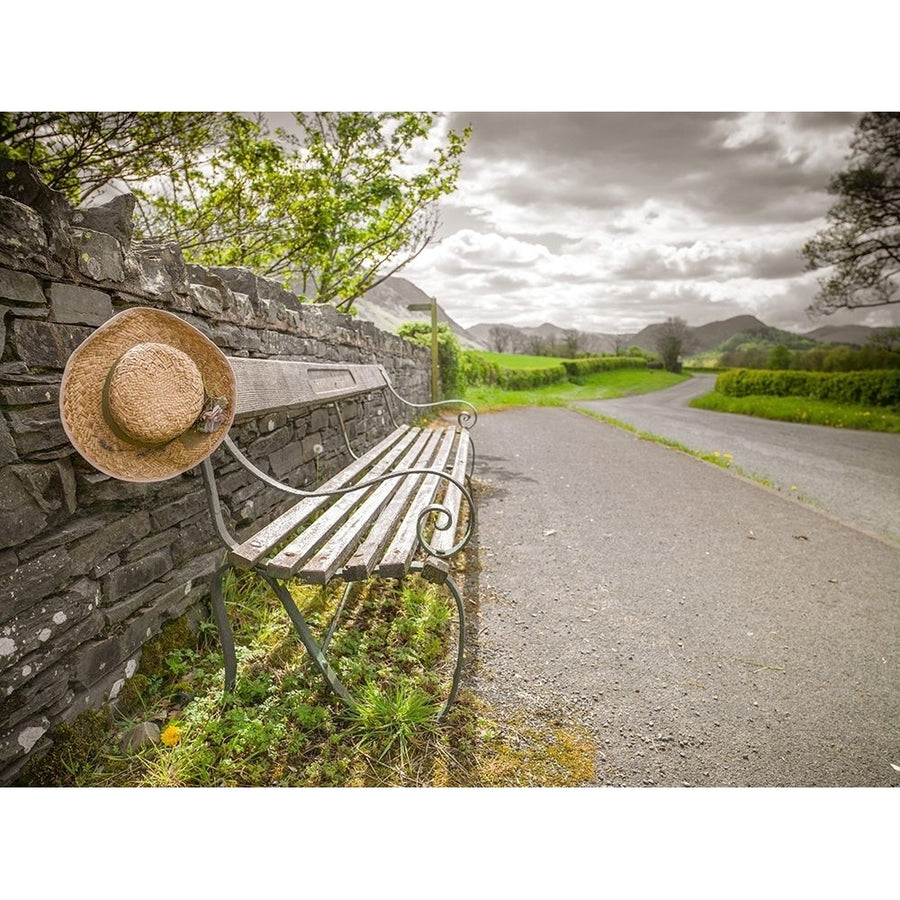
(611,221)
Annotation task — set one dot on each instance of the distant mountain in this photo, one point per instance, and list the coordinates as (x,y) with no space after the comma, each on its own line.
(546,332)
(519,338)
(386,307)
(854,335)
(703,337)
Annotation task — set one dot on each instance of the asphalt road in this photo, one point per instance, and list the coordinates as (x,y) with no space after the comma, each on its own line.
(704,630)
(853,475)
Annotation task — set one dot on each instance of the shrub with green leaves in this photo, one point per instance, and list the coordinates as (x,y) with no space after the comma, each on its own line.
(476,368)
(448,353)
(870,388)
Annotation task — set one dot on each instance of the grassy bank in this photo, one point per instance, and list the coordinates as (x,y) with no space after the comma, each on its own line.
(282,727)
(803,410)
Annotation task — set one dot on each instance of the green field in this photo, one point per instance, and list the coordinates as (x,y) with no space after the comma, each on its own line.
(598,386)
(520,360)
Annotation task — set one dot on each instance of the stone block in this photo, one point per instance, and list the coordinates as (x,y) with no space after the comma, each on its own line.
(46,344)
(135,575)
(29,394)
(312,446)
(67,533)
(7,448)
(125,608)
(162,270)
(72,304)
(29,500)
(156,540)
(320,419)
(192,539)
(39,694)
(115,217)
(20,288)
(36,429)
(8,561)
(291,457)
(20,181)
(32,581)
(99,255)
(96,659)
(45,636)
(208,299)
(263,446)
(177,510)
(18,742)
(110,539)
(23,243)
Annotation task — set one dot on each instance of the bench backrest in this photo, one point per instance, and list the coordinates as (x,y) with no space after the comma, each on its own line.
(267,385)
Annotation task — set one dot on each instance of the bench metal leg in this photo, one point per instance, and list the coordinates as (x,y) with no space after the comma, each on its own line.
(337,615)
(309,641)
(226,636)
(316,650)
(450,584)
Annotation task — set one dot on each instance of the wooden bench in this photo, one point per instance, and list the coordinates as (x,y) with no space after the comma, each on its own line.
(401,506)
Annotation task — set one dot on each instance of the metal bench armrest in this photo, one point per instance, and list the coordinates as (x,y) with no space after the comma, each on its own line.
(466,418)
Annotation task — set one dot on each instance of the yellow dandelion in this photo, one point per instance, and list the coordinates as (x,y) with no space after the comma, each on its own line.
(171,735)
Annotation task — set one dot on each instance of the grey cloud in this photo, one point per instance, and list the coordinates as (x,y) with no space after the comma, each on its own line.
(612,160)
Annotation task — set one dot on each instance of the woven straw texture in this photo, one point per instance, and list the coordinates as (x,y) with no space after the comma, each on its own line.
(128,408)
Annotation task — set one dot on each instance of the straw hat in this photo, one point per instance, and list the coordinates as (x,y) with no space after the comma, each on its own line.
(146,396)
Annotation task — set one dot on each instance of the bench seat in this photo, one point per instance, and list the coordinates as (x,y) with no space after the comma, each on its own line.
(371,530)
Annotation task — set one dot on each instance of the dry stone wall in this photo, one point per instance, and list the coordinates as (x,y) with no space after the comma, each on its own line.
(92,568)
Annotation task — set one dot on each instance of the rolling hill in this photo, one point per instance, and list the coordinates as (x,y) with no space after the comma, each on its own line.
(386,306)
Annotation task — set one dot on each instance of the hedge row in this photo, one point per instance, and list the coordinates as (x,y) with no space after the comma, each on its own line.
(527,379)
(591,364)
(870,388)
(475,368)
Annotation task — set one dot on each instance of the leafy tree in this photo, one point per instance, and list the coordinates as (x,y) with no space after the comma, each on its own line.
(80,153)
(889,338)
(500,339)
(779,357)
(374,210)
(861,242)
(571,342)
(333,207)
(672,343)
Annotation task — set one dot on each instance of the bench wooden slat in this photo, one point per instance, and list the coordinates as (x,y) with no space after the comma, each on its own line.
(249,553)
(326,562)
(396,560)
(362,562)
(311,538)
(444,540)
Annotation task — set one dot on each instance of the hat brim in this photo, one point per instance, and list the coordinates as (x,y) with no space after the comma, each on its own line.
(82,408)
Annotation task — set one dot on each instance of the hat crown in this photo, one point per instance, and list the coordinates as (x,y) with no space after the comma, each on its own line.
(154,393)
